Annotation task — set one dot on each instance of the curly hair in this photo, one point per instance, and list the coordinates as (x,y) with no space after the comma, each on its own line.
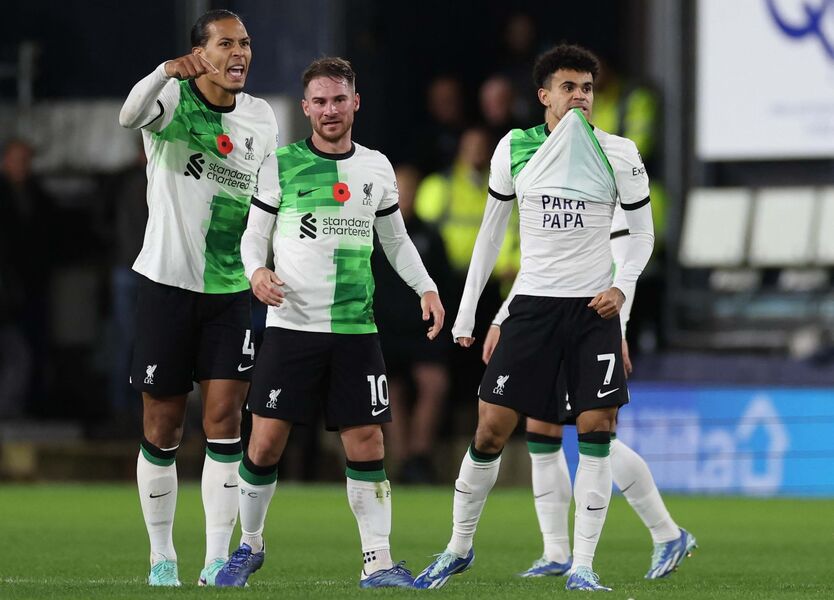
(564,56)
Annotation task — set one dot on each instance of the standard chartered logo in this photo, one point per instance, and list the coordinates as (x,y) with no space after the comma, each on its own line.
(346,226)
(308,227)
(352,226)
(220,174)
(194,168)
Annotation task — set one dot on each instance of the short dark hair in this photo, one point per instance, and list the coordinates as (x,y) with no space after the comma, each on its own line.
(334,67)
(564,56)
(200,34)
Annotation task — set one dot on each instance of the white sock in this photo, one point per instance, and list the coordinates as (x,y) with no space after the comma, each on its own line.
(471,490)
(254,503)
(592,493)
(552,494)
(220,491)
(633,477)
(370,502)
(158,496)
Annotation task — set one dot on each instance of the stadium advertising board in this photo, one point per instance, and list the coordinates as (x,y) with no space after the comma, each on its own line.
(765,79)
(753,442)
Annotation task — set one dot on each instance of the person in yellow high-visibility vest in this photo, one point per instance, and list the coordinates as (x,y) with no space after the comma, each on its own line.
(453,200)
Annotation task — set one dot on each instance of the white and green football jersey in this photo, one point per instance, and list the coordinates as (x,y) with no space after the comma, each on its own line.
(323,237)
(567,184)
(203,164)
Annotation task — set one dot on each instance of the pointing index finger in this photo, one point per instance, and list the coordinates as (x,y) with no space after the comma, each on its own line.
(205,60)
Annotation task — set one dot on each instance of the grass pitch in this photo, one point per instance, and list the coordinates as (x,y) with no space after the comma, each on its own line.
(64,541)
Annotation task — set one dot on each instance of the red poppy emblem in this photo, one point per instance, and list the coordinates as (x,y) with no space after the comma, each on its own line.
(341,192)
(224,144)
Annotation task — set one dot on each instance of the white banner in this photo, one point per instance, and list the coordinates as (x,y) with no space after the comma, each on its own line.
(765,79)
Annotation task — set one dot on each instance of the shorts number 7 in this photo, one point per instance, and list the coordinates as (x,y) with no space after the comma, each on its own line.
(610,371)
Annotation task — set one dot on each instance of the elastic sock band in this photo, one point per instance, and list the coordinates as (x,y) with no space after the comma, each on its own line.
(538,443)
(158,456)
(225,452)
(595,443)
(256,475)
(368,470)
(482,457)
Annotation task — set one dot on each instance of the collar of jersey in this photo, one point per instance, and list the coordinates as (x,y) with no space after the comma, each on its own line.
(209,105)
(328,155)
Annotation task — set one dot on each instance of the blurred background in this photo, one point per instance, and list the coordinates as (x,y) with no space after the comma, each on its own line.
(730,103)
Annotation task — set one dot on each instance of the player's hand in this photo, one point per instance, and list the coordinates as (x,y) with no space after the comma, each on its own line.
(189,66)
(608,303)
(626,359)
(465,342)
(433,308)
(490,342)
(267,287)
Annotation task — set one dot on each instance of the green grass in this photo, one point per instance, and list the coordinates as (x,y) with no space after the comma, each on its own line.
(62,541)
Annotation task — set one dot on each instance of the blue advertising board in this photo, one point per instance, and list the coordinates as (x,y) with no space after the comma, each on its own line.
(743,441)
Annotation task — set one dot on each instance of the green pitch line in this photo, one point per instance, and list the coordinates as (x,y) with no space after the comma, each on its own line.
(63,541)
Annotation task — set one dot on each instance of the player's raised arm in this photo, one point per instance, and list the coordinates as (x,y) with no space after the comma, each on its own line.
(152,101)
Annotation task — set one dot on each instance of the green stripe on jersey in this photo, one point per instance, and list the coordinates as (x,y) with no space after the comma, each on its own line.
(590,131)
(302,172)
(353,297)
(523,145)
(194,124)
(224,267)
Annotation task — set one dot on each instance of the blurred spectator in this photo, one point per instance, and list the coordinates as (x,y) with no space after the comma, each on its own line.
(454,201)
(416,367)
(26,232)
(496,98)
(520,48)
(438,138)
(130,216)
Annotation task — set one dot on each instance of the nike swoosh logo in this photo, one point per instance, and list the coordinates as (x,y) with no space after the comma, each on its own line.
(628,487)
(542,495)
(461,491)
(596,508)
(226,485)
(306,192)
(241,368)
(160,495)
(375,412)
(600,393)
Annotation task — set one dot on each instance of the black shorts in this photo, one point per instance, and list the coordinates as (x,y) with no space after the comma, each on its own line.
(565,414)
(544,336)
(184,336)
(297,371)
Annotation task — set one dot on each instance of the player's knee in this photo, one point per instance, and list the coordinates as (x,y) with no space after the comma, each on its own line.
(596,421)
(162,432)
(489,440)
(221,425)
(262,452)
(364,443)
